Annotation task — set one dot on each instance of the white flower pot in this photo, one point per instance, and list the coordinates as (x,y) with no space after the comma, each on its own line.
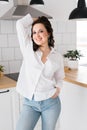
(65,62)
(73,64)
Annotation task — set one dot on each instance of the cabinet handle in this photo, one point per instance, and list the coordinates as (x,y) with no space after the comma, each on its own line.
(4,91)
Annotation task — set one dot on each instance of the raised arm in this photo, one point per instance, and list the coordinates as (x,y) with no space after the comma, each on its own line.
(23,27)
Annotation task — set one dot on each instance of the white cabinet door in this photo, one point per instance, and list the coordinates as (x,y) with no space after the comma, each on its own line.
(15,107)
(8,113)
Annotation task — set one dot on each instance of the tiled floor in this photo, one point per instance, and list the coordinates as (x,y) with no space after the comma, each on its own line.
(74,108)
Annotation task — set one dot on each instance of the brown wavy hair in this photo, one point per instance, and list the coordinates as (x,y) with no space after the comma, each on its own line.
(43,20)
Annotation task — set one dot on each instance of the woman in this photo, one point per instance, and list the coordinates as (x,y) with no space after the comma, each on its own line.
(41,74)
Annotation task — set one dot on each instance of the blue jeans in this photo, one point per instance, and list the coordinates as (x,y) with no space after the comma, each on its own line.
(48,109)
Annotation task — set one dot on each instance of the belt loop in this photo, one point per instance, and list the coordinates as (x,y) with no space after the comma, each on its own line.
(33,97)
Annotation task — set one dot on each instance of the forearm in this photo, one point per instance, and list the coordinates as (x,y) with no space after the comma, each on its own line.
(57,92)
(23,25)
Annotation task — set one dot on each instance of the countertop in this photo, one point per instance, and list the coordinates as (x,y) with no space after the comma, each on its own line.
(78,77)
(6,82)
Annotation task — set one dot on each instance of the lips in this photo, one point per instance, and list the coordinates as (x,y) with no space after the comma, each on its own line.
(39,39)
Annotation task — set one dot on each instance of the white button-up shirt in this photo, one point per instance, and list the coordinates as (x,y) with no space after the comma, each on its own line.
(37,78)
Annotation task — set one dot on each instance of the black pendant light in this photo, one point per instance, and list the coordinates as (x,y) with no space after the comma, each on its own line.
(4,0)
(32,2)
(80,11)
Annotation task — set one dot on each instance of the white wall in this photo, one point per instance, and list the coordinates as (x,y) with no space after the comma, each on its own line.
(10,55)
(64,33)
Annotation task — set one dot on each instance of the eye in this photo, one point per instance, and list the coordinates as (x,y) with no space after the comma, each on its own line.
(34,32)
(41,31)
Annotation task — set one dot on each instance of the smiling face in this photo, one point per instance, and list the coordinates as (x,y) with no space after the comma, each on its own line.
(40,34)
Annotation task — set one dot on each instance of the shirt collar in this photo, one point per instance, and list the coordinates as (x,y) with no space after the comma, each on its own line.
(39,52)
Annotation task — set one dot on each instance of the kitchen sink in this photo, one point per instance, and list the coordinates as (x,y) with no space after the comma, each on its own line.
(13,76)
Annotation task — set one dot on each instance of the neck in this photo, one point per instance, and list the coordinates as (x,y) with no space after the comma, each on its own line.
(45,48)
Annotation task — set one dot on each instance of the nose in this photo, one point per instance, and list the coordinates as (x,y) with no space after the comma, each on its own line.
(37,34)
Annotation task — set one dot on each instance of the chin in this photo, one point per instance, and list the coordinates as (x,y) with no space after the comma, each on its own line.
(39,44)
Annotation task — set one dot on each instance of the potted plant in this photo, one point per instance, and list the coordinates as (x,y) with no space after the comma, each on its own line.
(73,57)
(1,70)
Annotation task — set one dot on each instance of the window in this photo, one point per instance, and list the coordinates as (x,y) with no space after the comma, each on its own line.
(82,41)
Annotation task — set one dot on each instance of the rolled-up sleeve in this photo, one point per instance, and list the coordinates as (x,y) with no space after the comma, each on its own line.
(59,74)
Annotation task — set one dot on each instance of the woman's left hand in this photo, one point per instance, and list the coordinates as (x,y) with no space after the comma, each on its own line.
(56,93)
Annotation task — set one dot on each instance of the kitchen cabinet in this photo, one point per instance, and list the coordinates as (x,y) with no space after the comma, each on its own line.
(9,108)
(74,107)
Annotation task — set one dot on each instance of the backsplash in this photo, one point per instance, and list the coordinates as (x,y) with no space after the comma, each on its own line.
(10,54)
